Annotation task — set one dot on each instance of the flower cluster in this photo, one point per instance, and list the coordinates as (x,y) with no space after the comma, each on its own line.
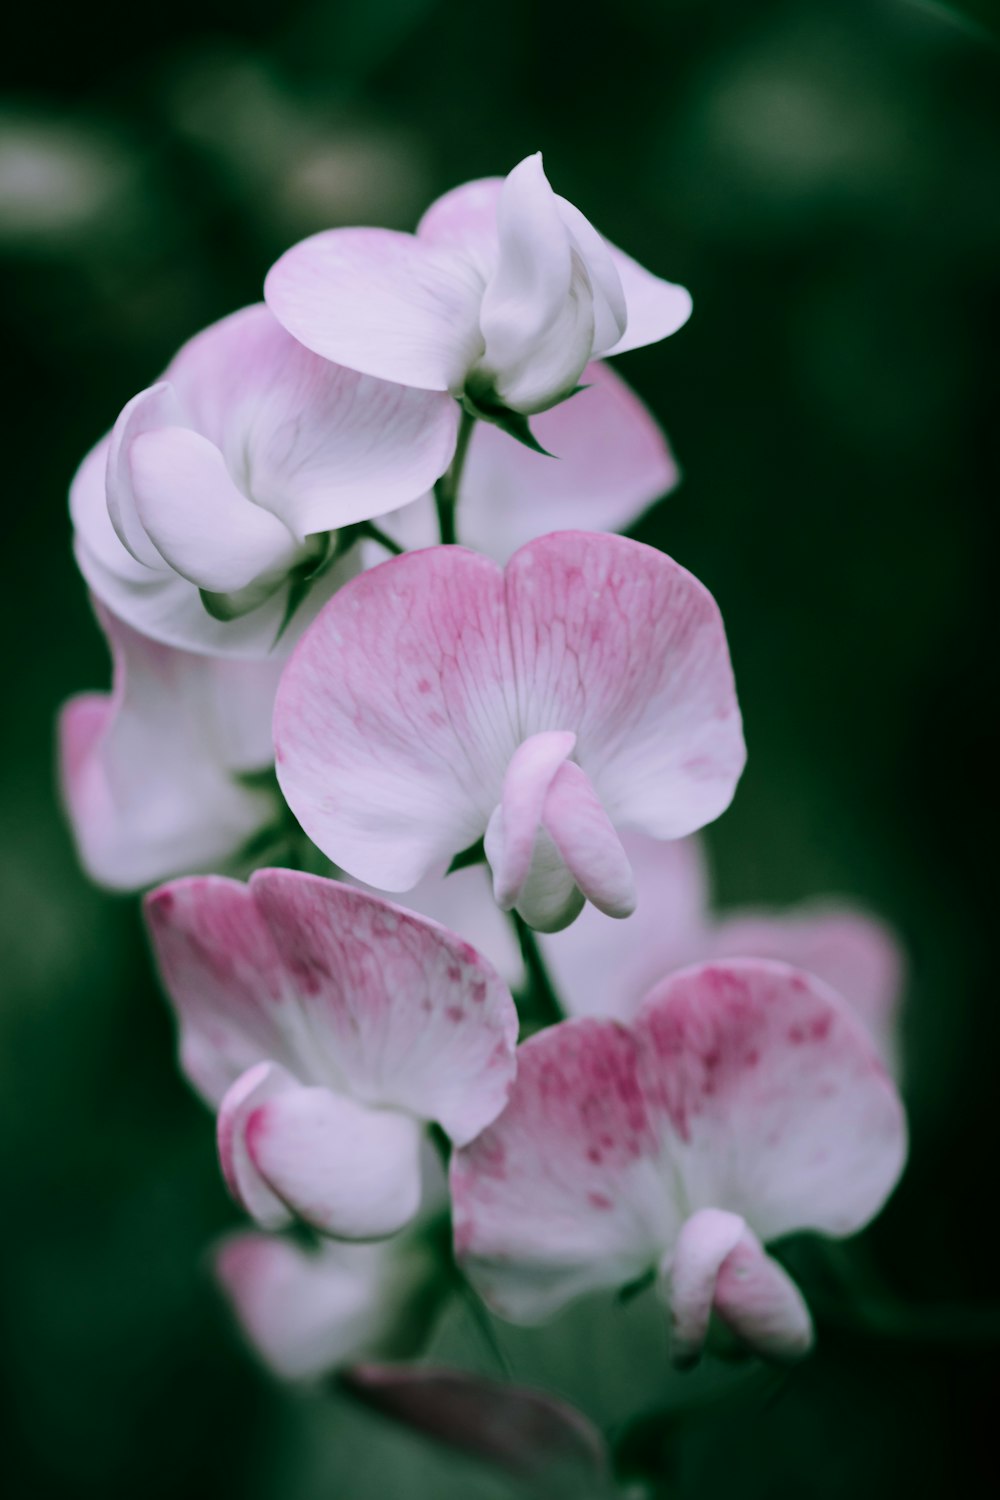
(519,738)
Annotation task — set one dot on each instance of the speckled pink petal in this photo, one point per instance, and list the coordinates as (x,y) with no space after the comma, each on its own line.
(397,716)
(688,1277)
(615,641)
(854,953)
(149,772)
(774,1098)
(563,1194)
(342,989)
(604,967)
(384,303)
(587,842)
(348,1170)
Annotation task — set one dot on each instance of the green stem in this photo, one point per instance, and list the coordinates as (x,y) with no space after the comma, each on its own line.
(544,1002)
(376,534)
(446,489)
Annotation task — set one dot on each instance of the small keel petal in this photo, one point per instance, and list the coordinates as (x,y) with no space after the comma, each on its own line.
(585,837)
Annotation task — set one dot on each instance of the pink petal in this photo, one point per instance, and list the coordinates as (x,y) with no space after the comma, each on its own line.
(348,1170)
(587,842)
(758,1300)
(465,220)
(616,642)
(512,830)
(777,1104)
(265,1080)
(604,967)
(656,308)
(309,1312)
(610,463)
(703,1244)
(147,412)
(199,522)
(381,302)
(394,719)
(343,990)
(463,902)
(149,771)
(853,953)
(401,709)
(563,1194)
(718,1265)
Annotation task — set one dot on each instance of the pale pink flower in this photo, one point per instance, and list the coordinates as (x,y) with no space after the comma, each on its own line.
(745,1102)
(503,295)
(604,968)
(153,772)
(606,462)
(222,485)
(328,1027)
(584,689)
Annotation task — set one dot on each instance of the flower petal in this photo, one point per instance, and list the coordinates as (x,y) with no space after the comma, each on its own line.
(308,1312)
(199,522)
(515,823)
(465,220)
(586,839)
(855,954)
(381,302)
(252,1089)
(463,902)
(148,771)
(690,1274)
(778,1106)
(604,967)
(610,316)
(342,989)
(615,641)
(394,721)
(147,412)
(563,1194)
(655,308)
(349,1171)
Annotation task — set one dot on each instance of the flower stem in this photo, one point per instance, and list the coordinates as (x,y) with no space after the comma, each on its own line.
(446,489)
(376,534)
(543,1000)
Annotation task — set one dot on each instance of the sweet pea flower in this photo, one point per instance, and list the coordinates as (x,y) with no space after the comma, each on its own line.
(439,698)
(152,772)
(744,1102)
(606,462)
(328,1027)
(219,493)
(604,968)
(501,297)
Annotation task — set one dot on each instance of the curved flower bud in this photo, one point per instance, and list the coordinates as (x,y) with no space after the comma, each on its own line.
(745,1102)
(438,699)
(604,968)
(223,486)
(153,772)
(327,1026)
(609,463)
(502,296)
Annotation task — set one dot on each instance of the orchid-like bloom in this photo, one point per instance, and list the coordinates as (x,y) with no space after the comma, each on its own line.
(745,1102)
(502,297)
(438,699)
(604,968)
(218,497)
(328,1027)
(154,773)
(606,462)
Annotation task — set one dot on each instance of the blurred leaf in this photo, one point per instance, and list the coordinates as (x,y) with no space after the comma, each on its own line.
(544,1443)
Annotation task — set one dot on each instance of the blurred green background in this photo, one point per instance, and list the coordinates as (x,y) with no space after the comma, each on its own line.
(824,178)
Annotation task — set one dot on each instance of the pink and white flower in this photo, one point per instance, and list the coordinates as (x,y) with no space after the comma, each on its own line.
(328,1027)
(152,772)
(604,968)
(609,462)
(226,482)
(437,699)
(502,296)
(745,1102)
